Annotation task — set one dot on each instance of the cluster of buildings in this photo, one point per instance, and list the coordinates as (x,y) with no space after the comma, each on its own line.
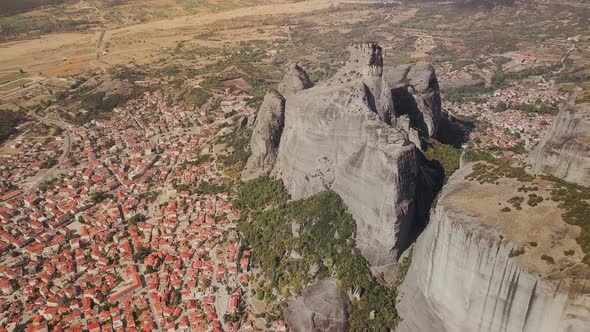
(543,92)
(510,131)
(36,148)
(113,244)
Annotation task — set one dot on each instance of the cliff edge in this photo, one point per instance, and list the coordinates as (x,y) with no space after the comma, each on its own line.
(485,264)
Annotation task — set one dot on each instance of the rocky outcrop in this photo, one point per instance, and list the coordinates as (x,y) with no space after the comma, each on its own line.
(565,150)
(465,276)
(270,121)
(348,135)
(294,81)
(414,102)
(367,59)
(266,136)
(343,137)
(322,307)
(333,140)
(416,95)
(366,63)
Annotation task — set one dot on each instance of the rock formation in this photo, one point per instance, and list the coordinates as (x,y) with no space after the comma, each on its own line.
(344,137)
(416,95)
(466,276)
(322,307)
(348,135)
(565,150)
(266,136)
(333,140)
(414,102)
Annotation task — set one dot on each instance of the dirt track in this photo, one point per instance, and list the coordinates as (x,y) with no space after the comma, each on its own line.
(136,42)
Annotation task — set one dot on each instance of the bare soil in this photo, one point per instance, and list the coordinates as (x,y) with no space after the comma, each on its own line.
(541,224)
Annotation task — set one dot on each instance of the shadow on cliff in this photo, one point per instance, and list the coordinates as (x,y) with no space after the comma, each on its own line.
(429,184)
(405,104)
(451,131)
(454,131)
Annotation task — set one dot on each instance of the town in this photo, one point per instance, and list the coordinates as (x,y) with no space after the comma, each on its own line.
(114,235)
(507,125)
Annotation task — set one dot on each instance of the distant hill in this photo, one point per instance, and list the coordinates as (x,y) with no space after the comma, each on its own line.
(11,7)
(484,3)
(577,3)
(493,3)
(487,2)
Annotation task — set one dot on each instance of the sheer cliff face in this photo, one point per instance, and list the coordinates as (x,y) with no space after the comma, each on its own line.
(270,120)
(463,278)
(565,151)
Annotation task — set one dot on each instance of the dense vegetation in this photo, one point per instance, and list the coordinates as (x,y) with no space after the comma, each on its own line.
(96,106)
(324,248)
(404,267)
(459,95)
(8,121)
(238,140)
(131,74)
(197,96)
(260,192)
(11,7)
(473,154)
(447,155)
(99,102)
(537,107)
